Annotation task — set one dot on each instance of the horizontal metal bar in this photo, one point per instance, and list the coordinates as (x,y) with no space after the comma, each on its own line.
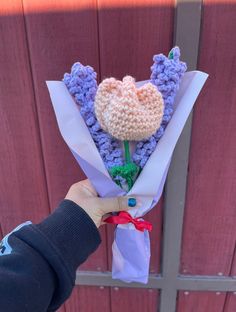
(206,283)
(156,281)
(93,278)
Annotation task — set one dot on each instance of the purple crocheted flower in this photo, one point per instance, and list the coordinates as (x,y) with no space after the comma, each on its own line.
(166,76)
(82,85)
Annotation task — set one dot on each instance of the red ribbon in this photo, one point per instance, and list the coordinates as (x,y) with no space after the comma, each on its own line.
(124,217)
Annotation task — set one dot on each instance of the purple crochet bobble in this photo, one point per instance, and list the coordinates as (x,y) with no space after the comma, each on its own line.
(82,85)
(166,74)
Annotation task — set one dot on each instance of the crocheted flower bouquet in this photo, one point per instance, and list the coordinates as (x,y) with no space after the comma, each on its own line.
(123,135)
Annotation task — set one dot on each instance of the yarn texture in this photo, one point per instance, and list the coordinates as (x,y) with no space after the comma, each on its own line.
(127,112)
(166,75)
(82,85)
(117,111)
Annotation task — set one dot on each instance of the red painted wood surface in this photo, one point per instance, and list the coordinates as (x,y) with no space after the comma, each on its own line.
(230,303)
(89,299)
(123,299)
(201,302)
(129,37)
(210,218)
(40,41)
(57,40)
(22,183)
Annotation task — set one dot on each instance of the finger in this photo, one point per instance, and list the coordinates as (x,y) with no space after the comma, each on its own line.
(118,203)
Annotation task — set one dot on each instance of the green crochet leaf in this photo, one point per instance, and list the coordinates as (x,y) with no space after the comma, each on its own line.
(129,172)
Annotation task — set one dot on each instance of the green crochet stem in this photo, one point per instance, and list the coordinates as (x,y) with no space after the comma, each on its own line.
(127,152)
(129,171)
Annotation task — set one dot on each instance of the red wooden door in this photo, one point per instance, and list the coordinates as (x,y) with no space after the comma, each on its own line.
(40,40)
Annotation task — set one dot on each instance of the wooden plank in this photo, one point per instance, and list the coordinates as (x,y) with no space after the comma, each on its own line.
(230,302)
(89,299)
(23,193)
(209,231)
(129,37)
(200,301)
(58,38)
(134,299)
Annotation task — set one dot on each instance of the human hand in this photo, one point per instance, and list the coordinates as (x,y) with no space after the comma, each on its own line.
(84,195)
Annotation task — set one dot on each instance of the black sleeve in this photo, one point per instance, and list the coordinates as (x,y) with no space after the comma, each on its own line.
(38,262)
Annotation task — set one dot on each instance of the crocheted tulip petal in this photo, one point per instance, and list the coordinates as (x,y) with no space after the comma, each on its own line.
(107,89)
(126,112)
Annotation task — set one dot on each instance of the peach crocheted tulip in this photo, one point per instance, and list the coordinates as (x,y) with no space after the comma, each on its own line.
(126,112)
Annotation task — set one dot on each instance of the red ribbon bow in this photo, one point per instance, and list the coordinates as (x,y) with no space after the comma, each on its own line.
(124,217)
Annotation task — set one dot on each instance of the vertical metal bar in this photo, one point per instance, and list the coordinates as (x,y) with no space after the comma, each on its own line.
(187,33)
(187,30)
(173,221)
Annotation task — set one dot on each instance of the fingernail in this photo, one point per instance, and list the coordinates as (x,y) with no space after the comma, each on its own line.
(132,202)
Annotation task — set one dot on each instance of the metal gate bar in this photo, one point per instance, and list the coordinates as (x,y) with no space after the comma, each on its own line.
(157,281)
(187,34)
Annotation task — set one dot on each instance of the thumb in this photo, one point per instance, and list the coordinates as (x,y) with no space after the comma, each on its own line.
(107,205)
